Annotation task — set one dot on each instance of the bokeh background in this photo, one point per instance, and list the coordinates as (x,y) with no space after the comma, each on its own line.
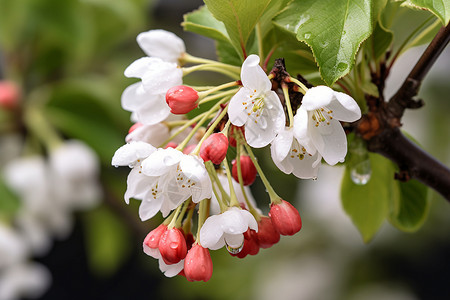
(71,55)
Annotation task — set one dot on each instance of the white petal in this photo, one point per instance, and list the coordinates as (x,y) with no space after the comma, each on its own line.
(163,44)
(134,96)
(153,110)
(345,108)
(253,76)
(282,144)
(211,235)
(161,76)
(139,67)
(130,153)
(284,165)
(317,97)
(302,122)
(194,170)
(305,168)
(171,270)
(236,108)
(149,208)
(154,134)
(234,240)
(335,144)
(137,185)
(161,162)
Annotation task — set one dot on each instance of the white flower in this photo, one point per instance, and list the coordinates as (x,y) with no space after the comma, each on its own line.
(180,176)
(227,228)
(12,247)
(162,44)
(146,99)
(28,280)
(256,105)
(139,185)
(75,169)
(317,125)
(290,156)
(154,134)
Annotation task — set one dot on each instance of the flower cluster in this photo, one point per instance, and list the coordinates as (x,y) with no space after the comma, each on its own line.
(180,165)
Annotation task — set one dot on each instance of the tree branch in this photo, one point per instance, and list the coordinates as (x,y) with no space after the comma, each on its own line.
(380,126)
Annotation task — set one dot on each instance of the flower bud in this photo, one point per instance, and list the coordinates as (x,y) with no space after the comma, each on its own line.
(172,246)
(267,234)
(134,127)
(151,241)
(214,148)
(181,99)
(198,264)
(234,134)
(189,149)
(171,145)
(285,218)
(9,95)
(247,168)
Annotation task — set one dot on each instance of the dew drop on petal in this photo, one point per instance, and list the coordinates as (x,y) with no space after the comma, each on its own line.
(173,245)
(235,250)
(361,172)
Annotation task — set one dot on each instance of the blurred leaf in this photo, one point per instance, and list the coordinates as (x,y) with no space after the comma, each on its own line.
(368,205)
(334,29)
(9,202)
(441,8)
(108,243)
(380,40)
(239,18)
(410,210)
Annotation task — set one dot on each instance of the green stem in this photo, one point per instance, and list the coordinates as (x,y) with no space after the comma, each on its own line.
(287,100)
(274,198)
(260,42)
(233,198)
(198,60)
(213,175)
(189,123)
(180,217)
(210,130)
(39,126)
(300,84)
(215,67)
(203,213)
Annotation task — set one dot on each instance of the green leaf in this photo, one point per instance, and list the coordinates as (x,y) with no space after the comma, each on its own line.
(239,17)
(107,240)
(202,22)
(410,210)
(368,205)
(334,29)
(441,8)
(9,202)
(381,40)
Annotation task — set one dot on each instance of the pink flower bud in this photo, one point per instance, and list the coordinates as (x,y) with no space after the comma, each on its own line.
(151,241)
(285,218)
(189,149)
(247,168)
(9,95)
(198,264)
(134,127)
(267,233)
(172,246)
(181,99)
(171,145)
(214,148)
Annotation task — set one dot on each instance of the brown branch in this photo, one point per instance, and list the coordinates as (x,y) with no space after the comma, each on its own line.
(380,127)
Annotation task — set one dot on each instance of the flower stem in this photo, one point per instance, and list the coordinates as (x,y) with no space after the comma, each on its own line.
(210,130)
(216,96)
(180,217)
(189,123)
(274,198)
(213,174)
(41,128)
(228,70)
(218,88)
(260,41)
(198,60)
(300,84)
(233,198)
(203,213)
(287,100)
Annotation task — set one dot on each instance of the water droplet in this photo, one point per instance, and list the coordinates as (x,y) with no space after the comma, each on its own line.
(361,172)
(341,67)
(235,250)
(173,245)
(323,44)
(307,35)
(314,178)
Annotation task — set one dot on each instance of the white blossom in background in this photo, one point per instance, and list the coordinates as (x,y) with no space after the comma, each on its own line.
(256,106)
(227,229)
(146,98)
(290,156)
(179,176)
(317,124)
(162,44)
(75,169)
(13,248)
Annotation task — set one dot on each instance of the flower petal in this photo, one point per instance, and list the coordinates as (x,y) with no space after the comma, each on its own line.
(161,76)
(171,270)
(211,235)
(317,97)
(236,108)
(194,170)
(129,154)
(252,75)
(234,240)
(153,111)
(161,43)
(139,67)
(149,208)
(133,96)
(345,108)
(334,144)
(161,162)
(282,144)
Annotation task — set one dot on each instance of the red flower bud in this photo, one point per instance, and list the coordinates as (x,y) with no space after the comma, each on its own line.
(189,149)
(171,145)
(152,239)
(233,134)
(267,234)
(181,99)
(134,127)
(251,245)
(9,95)
(214,148)
(198,264)
(285,218)
(247,168)
(172,246)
